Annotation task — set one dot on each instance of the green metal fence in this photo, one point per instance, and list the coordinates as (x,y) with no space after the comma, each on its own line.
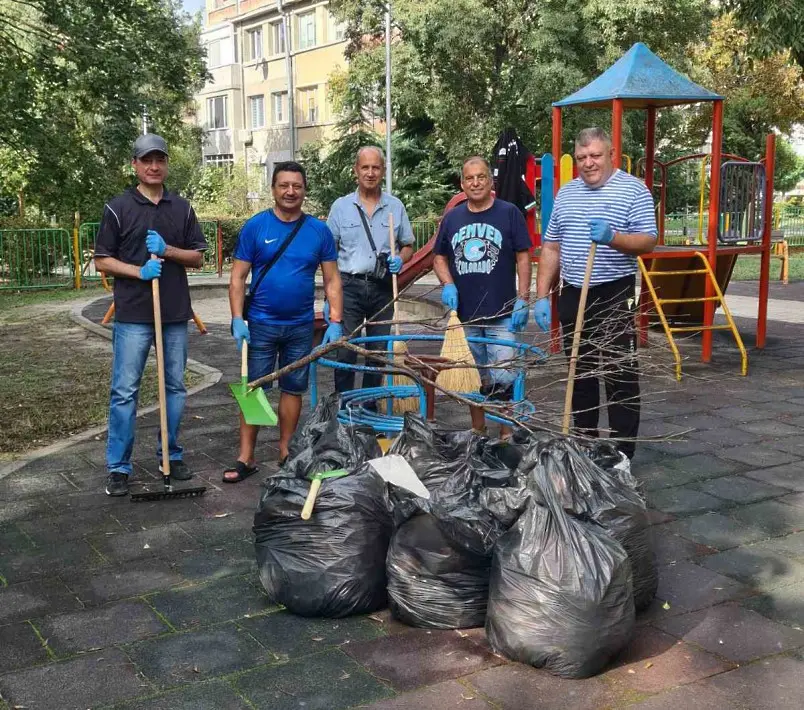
(423,230)
(35,258)
(681,226)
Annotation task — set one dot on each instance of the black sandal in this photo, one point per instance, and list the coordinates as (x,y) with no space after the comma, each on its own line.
(242,470)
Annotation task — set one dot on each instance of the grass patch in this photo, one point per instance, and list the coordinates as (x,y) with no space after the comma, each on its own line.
(54,381)
(18,299)
(747,268)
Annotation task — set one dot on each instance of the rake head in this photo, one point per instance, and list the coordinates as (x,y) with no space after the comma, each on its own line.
(168,493)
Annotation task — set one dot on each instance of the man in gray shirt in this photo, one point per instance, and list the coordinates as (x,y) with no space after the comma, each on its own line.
(357,220)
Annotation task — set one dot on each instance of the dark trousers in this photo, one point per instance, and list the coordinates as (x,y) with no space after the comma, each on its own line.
(607,349)
(370,300)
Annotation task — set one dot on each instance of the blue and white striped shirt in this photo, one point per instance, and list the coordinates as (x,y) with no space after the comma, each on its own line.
(623,201)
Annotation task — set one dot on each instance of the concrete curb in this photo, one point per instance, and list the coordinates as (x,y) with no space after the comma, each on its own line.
(210,376)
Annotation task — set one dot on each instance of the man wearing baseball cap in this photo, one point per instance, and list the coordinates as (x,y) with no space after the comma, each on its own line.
(146,220)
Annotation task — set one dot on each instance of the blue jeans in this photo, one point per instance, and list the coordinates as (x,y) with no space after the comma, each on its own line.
(486,354)
(130,344)
(288,343)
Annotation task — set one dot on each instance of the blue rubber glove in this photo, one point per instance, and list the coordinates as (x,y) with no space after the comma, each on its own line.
(541,313)
(395,264)
(519,317)
(154,243)
(333,333)
(326,311)
(600,231)
(449,296)
(152,269)
(240,332)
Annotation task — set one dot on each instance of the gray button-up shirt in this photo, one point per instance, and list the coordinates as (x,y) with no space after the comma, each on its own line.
(354,251)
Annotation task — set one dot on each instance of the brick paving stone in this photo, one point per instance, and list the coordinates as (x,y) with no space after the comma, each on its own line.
(700,421)
(88,681)
(724,437)
(328,681)
(75,554)
(198,655)
(14,541)
(741,413)
(658,475)
(211,695)
(449,695)
(702,466)
(215,532)
(700,695)
(291,636)
(128,546)
(794,499)
(520,687)
(680,447)
(99,627)
(16,510)
(756,566)
(790,545)
(782,604)
(773,517)
(660,661)
(791,444)
(716,530)
(735,633)
(683,501)
(20,647)
(30,600)
(19,485)
(221,600)
(740,489)
(787,476)
(214,563)
(756,456)
(122,581)
(69,526)
(143,517)
(417,658)
(674,548)
(771,427)
(772,684)
(65,461)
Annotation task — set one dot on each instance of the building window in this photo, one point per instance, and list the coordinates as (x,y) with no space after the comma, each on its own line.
(224,160)
(307,30)
(253,48)
(278,37)
(336,31)
(214,53)
(279,107)
(256,106)
(308,104)
(216,112)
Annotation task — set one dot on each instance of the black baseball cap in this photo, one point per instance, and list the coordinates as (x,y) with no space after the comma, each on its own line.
(149,143)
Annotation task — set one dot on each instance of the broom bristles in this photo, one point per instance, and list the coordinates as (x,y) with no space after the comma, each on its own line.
(456,348)
(403,404)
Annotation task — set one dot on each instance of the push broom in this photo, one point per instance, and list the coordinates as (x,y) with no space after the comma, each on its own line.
(167,491)
(464,378)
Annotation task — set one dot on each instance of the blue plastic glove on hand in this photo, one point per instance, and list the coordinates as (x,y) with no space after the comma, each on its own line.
(600,231)
(326,311)
(395,264)
(541,313)
(333,333)
(240,332)
(449,296)
(152,269)
(519,317)
(154,243)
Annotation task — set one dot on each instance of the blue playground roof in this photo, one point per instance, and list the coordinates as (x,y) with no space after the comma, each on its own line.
(641,79)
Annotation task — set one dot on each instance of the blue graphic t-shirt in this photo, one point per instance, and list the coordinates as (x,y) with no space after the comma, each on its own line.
(481,250)
(287,293)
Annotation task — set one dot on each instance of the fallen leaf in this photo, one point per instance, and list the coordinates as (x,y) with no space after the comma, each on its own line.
(195,669)
(318,638)
(720,641)
(648,664)
(222,515)
(146,546)
(197,416)
(666,605)
(631,670)
(345,675)
(375,618)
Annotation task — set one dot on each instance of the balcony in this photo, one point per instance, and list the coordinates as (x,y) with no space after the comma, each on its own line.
(223,78)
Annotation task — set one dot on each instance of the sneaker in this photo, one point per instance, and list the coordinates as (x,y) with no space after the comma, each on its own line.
(117,484)
(178,471)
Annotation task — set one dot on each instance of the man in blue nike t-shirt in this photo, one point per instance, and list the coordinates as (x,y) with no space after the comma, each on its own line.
(280,317)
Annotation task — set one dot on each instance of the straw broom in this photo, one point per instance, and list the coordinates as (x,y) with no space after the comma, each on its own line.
(407,404)
(456,348)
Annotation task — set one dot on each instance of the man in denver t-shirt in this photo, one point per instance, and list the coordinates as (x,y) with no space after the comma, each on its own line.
(614,209)
(483,261)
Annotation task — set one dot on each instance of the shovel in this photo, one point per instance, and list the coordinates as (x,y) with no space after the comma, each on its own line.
(307,510)
(254,405)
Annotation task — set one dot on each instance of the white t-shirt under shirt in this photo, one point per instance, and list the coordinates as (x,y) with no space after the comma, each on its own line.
(623,201)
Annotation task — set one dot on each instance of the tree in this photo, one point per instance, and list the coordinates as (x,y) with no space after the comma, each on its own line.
(74,76)
(773,26)
(789,167)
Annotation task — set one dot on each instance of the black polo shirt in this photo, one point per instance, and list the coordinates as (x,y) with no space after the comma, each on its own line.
(125,222)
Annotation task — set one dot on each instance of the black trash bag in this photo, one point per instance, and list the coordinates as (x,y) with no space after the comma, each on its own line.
(608,498)
(418,443)
(333,564)
(560,594)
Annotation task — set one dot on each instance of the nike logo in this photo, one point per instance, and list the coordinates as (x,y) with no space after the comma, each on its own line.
(270,241)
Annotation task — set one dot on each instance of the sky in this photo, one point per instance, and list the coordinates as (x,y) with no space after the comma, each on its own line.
(192,6)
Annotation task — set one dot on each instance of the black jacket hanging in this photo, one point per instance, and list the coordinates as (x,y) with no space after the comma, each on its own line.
(510,158)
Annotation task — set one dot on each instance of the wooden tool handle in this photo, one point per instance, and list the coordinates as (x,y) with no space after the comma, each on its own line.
(394,283)
(576,338)
(307,510)
(244,360)
(160,373)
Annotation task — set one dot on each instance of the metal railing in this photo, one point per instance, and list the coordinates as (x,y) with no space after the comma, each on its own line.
(35,258)
(423,230)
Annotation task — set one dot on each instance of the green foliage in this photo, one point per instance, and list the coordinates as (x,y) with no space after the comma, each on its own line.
(223,191)
(773,26)
(789,167)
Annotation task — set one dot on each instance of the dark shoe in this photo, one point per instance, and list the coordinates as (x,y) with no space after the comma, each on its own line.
(241,470)
(178,471)
(117,484)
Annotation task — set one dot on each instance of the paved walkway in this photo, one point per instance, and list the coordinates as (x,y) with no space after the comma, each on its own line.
(108,604)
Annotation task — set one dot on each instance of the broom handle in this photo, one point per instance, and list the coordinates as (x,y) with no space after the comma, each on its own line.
(244,361)
(160,373)
(576,338)
(394,284)
(307,510)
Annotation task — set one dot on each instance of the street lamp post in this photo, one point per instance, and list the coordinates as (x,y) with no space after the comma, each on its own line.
(388,187)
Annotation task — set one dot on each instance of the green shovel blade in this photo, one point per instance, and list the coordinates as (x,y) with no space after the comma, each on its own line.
(253,404)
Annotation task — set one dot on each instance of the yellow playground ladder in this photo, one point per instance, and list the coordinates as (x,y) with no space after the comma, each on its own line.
(718,298)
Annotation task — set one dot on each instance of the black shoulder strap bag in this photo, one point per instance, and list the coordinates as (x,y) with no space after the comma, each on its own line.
(381,272)
(255,283)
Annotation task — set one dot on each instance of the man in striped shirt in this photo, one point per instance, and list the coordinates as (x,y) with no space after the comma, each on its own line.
(614,209)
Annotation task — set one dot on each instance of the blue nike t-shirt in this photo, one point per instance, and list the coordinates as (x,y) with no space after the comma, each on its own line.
(286,294)
(481,251)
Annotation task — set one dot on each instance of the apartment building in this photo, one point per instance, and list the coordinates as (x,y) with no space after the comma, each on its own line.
(270,62)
